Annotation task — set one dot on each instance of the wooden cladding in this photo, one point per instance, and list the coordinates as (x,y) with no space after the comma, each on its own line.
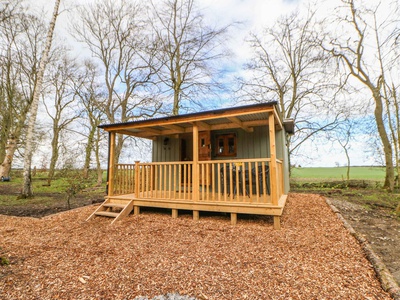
(235,181)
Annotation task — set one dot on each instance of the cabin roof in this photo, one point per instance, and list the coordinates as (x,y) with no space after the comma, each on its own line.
(245,117)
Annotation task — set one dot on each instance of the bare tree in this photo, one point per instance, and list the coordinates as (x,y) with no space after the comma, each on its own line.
(59,99)
(361,52)
(21,41)
(188,47)
(115,34)
(91,95)
(27,185)
(288,66)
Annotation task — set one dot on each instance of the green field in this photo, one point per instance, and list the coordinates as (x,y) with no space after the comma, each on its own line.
(339,173)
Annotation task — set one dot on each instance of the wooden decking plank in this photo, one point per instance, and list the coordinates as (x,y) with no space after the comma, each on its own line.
(107,214)
(116,205)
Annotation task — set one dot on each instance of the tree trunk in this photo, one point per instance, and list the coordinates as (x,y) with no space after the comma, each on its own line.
(98,164)
(88,152)
(27,185)
(6,165)
(54,155)
(387,147)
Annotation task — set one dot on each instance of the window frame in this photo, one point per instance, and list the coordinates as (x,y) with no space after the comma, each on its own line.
(225,147)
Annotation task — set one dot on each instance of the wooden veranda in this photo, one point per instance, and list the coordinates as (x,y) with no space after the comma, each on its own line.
(205,183)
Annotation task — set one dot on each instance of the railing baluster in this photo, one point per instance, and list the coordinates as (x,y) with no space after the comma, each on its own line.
(212,182)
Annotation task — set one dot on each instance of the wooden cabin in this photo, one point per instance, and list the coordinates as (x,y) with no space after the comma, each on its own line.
(231,160)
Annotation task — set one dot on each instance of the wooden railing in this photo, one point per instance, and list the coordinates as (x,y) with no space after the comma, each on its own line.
(244,180)
(124,179)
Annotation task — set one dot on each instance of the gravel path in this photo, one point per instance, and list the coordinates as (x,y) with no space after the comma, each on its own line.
(141,257)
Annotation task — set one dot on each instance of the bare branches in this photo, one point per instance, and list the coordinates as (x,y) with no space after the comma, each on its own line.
(288,66)
(187,49)
(368,67)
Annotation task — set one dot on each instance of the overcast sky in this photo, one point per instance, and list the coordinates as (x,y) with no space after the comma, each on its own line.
(253,15)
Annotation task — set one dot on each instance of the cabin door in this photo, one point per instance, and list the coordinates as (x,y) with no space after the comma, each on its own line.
(205,154)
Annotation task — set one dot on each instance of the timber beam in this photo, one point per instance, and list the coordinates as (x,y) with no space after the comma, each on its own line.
(240,124)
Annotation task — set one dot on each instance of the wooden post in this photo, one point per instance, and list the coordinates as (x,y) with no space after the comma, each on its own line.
(111,165)
(272,164)
(196,215)
(195,178)
(137,179)
(174,213)
(277,222)
(136,210)
(233,218)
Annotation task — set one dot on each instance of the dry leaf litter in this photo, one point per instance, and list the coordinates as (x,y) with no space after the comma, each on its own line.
(147,256)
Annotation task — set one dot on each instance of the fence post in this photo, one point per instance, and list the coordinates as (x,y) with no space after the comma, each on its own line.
(137,178)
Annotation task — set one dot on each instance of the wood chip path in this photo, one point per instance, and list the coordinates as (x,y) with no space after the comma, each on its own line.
(64,257)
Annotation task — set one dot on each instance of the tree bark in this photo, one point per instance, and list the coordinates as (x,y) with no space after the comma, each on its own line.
(6,165)
(98,164)
(387,147)
(27,185)
(88,152)
(54,155)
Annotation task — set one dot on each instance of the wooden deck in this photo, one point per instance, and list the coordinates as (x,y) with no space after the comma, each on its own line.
(233,207)
(232,186)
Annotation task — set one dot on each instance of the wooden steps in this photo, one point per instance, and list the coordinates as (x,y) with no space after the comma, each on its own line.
(113,208)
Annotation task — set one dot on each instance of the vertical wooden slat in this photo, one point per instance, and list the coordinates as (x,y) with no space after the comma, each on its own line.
(250,181)
(151,180)
(213,182)
(137,179)
(237,184)
(159,181)
(225,183)
(165,181)
(175,179)
(219,181)
(143,186)
(257,182)
(185,180)
(264,183)
(231,182)
(180,180)
(169,167)
(195,178)
(242,180)
(156,179)
(190,182)
(148,180)
(202,182)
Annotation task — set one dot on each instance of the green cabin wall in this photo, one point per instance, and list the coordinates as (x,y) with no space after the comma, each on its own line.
(249,145)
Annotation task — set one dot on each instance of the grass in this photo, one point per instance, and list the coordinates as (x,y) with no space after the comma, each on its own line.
(364,187)
(44,194)
(339,173)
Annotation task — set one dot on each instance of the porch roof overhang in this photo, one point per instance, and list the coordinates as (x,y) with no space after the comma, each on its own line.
(244,117)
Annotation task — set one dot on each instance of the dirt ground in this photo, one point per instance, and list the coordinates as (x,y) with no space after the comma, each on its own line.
(380,227)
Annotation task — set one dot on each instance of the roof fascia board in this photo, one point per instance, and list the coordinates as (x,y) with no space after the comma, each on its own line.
(189,119)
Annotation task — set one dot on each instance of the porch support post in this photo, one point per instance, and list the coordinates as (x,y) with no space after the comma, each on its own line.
(272,165)
(111,164)
(233,218)
(137,178)
(195,177)
(196,215)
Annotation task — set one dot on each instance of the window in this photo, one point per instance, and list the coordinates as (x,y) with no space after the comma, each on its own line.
(226,144)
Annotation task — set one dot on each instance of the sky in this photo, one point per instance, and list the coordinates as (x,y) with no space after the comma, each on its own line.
(253,15)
